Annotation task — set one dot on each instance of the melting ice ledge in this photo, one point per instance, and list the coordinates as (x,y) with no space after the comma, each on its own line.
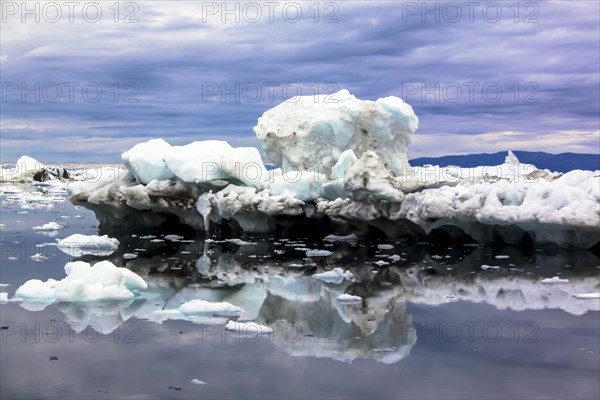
(343,169)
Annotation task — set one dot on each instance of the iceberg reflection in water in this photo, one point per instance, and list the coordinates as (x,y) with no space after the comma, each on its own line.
(271,281)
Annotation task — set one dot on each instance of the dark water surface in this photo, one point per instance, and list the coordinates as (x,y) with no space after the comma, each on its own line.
(432,323)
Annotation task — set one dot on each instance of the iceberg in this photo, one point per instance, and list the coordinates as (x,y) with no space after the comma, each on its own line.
(29,169)
(343,170)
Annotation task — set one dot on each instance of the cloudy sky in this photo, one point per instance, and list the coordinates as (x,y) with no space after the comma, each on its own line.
(84,82)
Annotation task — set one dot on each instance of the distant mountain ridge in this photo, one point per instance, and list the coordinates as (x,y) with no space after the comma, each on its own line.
(563,162)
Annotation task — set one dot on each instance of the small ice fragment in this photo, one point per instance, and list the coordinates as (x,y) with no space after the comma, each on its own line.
(318,253)
(587,295)
(198,306)
(239,242)
(197,382)
(335,238)
(348,298)
(554,279)
(173,238)
(38,257)
(336,276)
(248,327)
(381,263)
(50,226)
(77,245)
(129,256)
(385,246)
(3,297)
(490,267)
(501,256)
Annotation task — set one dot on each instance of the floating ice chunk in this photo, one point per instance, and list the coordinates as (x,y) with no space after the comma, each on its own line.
(130,256)
(318,253)
(220,309)
(3,297)
(78,244)
(501,257)
(490,267)
(50,226)
(381,263)
(348,238)
(248,327)
(197,382)
(5,284)
(145,161)
(239,242)
(173,238)
(385,246)
(36,290)
(587,295)
(348,298)
(2,226)
(335,276)
(162,315)
(24,169)
(85,283)
(554,279)
(38,257)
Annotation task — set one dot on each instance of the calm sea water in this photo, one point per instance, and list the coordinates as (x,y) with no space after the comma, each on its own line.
(432,323)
